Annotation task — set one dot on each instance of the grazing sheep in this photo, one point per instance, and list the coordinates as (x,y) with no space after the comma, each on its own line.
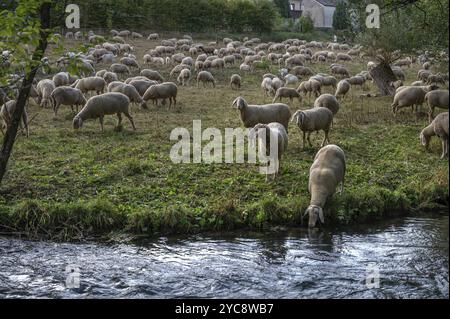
(277,83)
(6,113)
(436,98)
(45,89)
(309,87)
(127,89)
(267,86)
(105,104)
(61,79)
(166,90)
(130,62)
(291,79)
(343,57)
(184,77)
(340,70)
(93,83)
(153,36)
(316,119)
(266,134)
(178,68)
(245,67)
(66,95)
(119,69)
(205,77)
(218,64)
(410,96)
(302,71)
(136,35)
(435,79)
(264,114)
(342,89)
(110,77)
(152,75)
(438,127)
(326,172)
(357,80)
(142,85)
(398,72)
(329,101)
(235,81)
(285,92)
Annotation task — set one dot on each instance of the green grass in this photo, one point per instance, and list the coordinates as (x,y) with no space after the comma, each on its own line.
(66,185)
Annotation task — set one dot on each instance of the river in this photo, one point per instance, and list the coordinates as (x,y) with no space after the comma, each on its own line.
(398,258)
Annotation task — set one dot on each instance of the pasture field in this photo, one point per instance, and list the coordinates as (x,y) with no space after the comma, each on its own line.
(68,184)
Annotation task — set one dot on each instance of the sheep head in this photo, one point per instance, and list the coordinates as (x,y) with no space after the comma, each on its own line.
(77,122)
(240,103)
(424,139)
(315,213)
(298,118)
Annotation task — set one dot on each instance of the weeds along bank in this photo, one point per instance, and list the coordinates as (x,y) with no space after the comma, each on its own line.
(69,184)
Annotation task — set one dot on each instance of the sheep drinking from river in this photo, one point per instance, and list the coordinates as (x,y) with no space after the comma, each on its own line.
(326,172)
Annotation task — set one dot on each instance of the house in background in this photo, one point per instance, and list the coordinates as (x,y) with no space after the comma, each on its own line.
(320,11)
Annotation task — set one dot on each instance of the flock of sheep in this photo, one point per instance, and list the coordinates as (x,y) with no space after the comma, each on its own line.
(126,83)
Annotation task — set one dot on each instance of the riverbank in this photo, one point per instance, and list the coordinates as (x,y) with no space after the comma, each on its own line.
(68,185)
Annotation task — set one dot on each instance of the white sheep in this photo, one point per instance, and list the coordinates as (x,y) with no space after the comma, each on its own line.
(343,87)
(235,81)
(285,92)
(66,95)
(184,77)
(127,89)
(163,91)
(326,172)
(438,127)
(105,104)
(205,77)
(6,113)
(93,83)
(436,98)
(45,89)
(329,101)
(152,75)
(262,114)
(267,87)
(312,120)
(413,96)
(267,134)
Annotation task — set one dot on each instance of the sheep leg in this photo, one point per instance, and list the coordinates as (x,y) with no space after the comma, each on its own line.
(325,138)
(304,139)
(101,122)
(430,114)
(309,139)
(444,148)
(119,115)
(128,115)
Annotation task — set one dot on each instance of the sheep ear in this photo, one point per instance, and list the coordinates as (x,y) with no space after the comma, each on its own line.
(321,217)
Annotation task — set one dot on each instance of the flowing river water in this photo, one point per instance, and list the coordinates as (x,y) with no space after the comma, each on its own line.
(410,256)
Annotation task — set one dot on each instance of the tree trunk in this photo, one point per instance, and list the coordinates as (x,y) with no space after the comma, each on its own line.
(383,75)
(11,132)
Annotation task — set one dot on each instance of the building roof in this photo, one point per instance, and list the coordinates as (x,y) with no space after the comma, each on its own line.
(327,3)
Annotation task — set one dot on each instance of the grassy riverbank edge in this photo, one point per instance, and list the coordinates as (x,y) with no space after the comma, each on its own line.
(99,217)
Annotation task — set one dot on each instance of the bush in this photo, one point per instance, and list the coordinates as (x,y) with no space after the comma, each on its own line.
(306,24)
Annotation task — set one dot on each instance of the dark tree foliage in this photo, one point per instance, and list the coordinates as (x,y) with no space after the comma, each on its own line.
(341,17)
(176,15)
(283,7)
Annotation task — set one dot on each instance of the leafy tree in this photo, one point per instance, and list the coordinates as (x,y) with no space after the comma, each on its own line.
(25,25)
(283,7)
(341,16)
(306,24)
